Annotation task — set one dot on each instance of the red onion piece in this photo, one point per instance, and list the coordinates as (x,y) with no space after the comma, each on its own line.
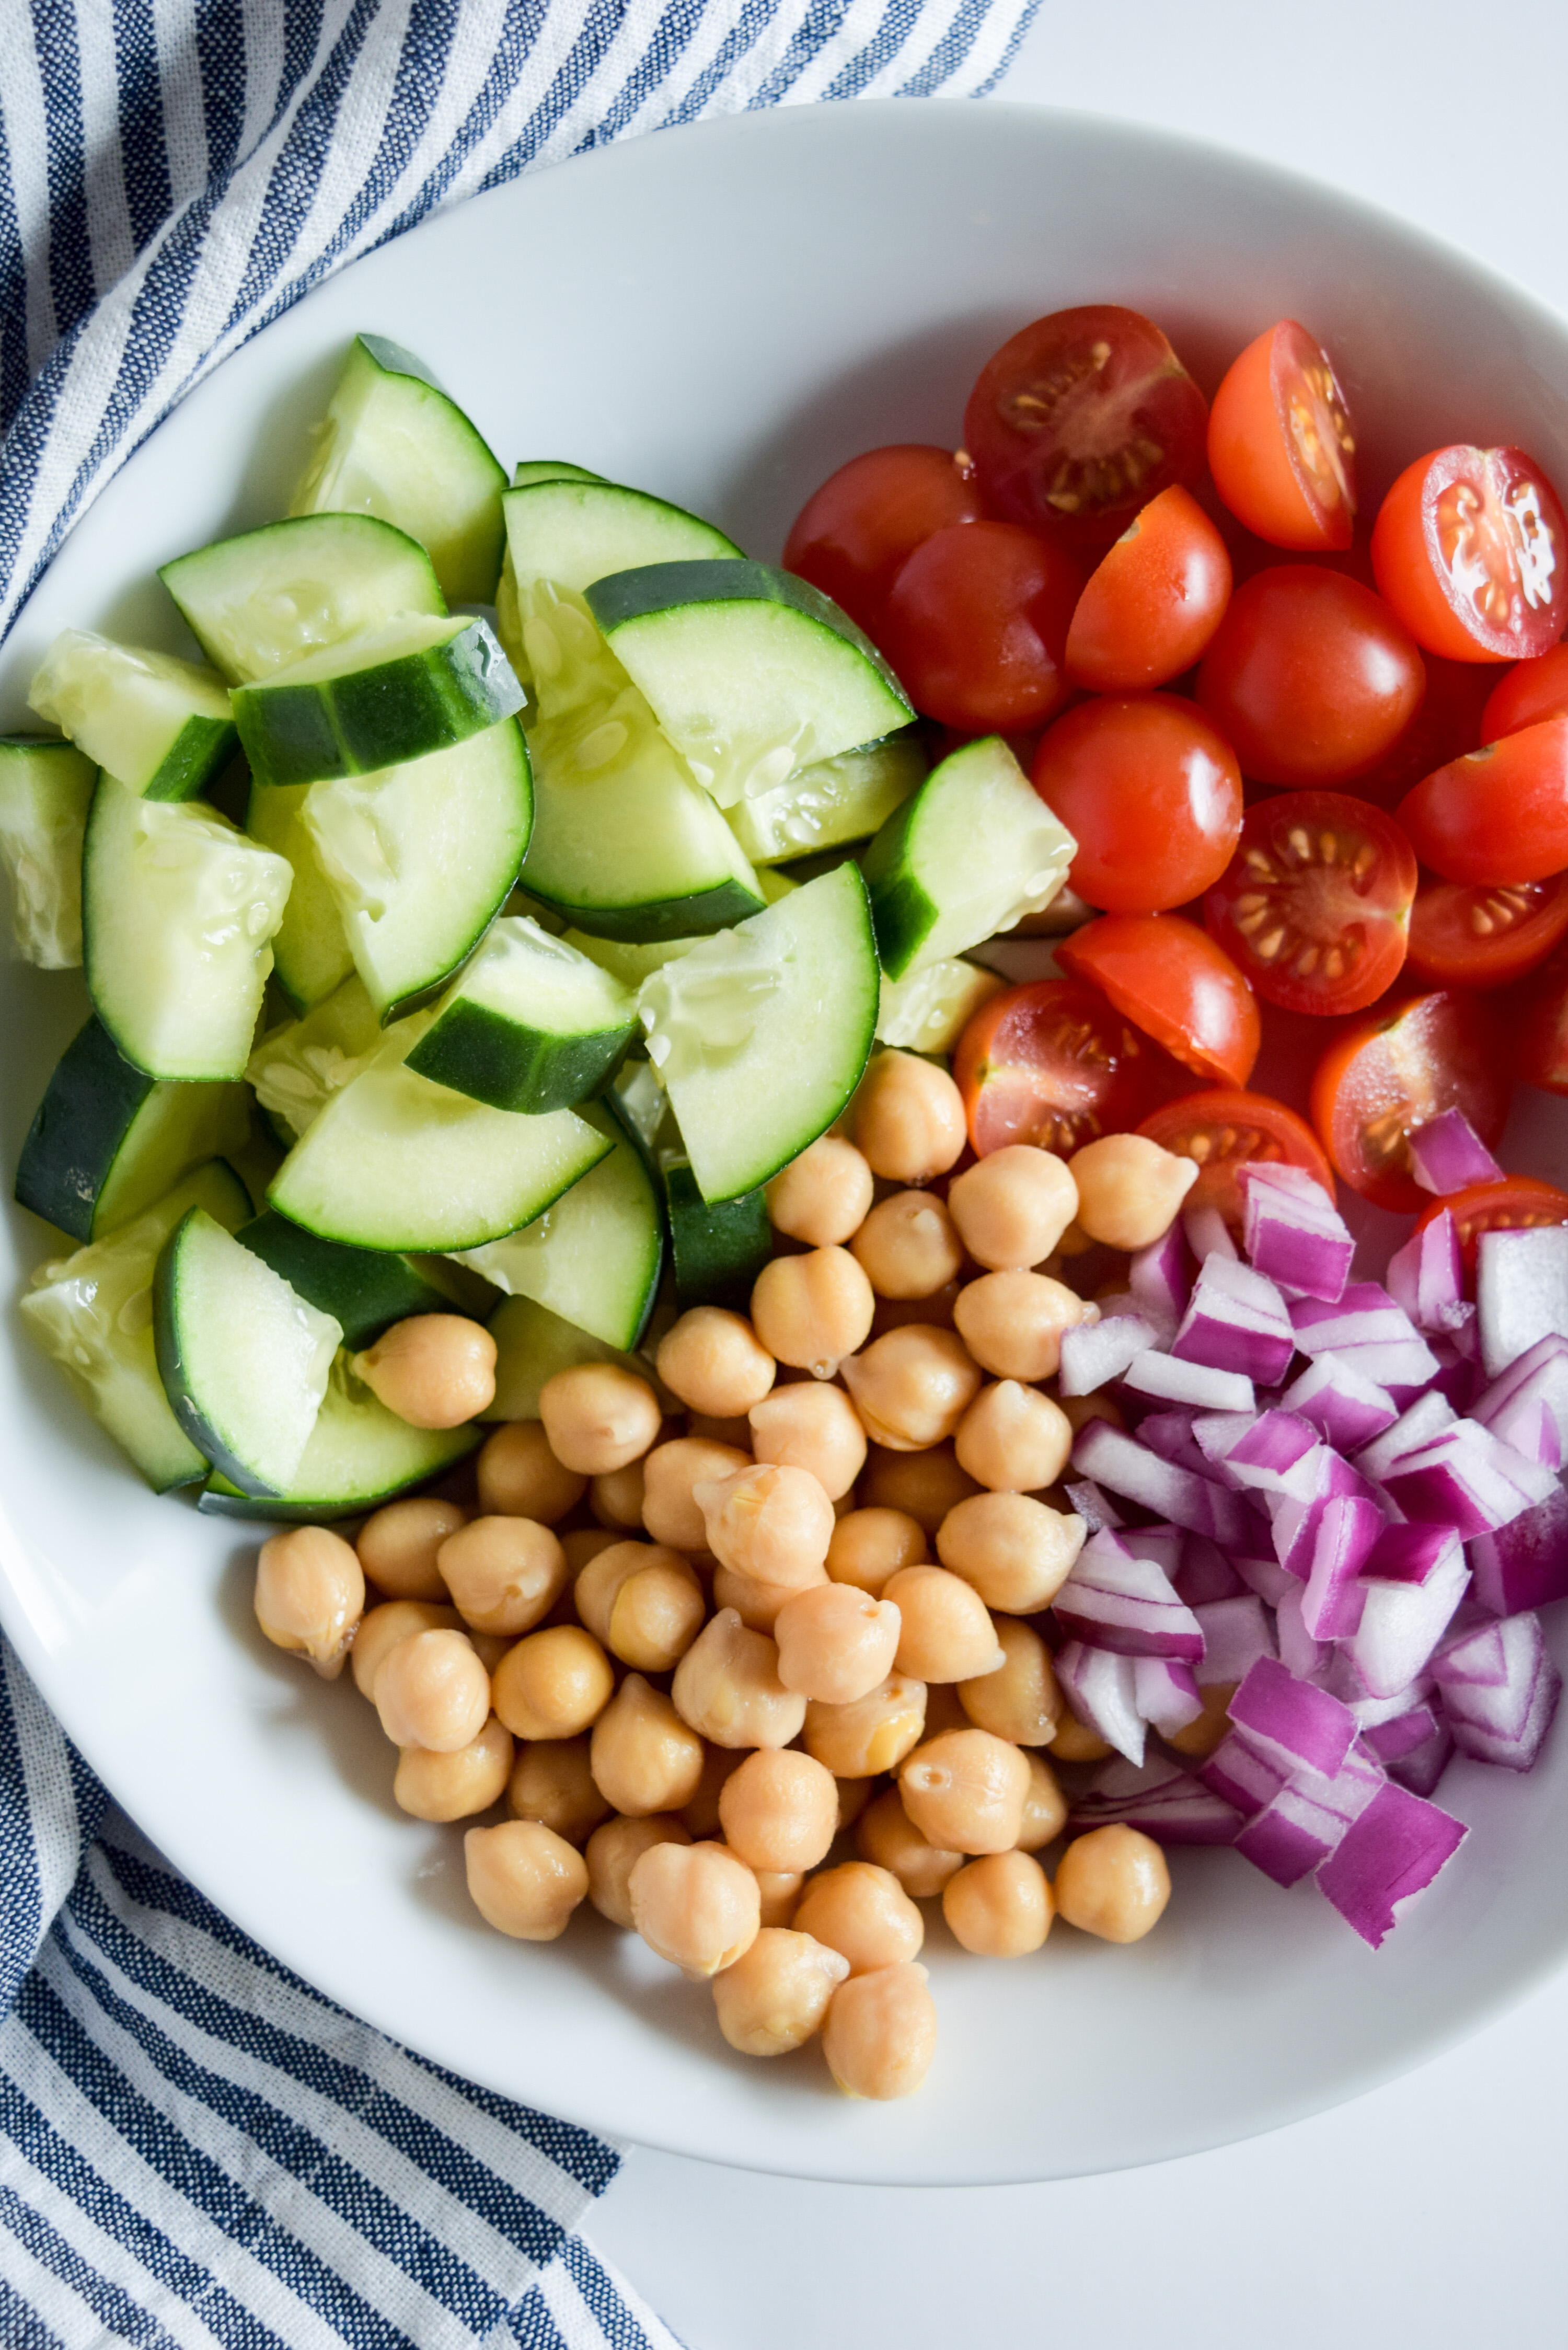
(1240,1776)
(1207,1234)
(1167,1694)
(1426,1276)
(1205,1574)
(1297,1830)
(1161,1544)
(1411,1583)
(1263,1573)
(1197,1385)
(1499,1690)
(1333,1601)
(1236,1320)
(1393,1850)
(1301,1652)
(1346,1408)
(1293,1230)
(1527,1404)
(1522,1291)
(1103,1692)
(1466,1478)
(1095,1509)
(1117,1460)
(1290,1723)
(1114,1599)
(1158,1283)
(1169,1433)
(1447,1154)
(1236,1633)
(1164,1802)
(1094,1353)
(1413,1747)
(1525,1563)
(1371,1332)
(1275,1452)
(1417,1426)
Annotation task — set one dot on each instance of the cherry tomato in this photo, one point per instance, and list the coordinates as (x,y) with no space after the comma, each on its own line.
(975,624)
(1316,904)
(1536,1021)
(1081,419)
(1155,601)
(1462,937)
(1170,978)
(1279,444)
(1309,676)
(852,535)
(1387,1076)
(1523,696)
(1517,1203)
(1055,1065)
(1223,1131)
(1497,814)
(1471,548)
(1448,722)
(1151,795)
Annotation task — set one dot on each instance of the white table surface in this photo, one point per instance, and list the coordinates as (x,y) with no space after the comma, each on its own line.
(1429,2213)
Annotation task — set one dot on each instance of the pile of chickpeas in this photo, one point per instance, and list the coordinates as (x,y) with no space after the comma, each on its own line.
(705,1659)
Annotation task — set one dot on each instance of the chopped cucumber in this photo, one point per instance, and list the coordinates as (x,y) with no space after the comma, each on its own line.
(242,1358)
(107,1139)
(419,857)
(359,1456)
(296,1069)
(718,1249)
(573,532)
(177,912)
(595,1257)
(529,1025)
(751,672)
(310,951)
(161,727)
(92,1313)
(549,469)
(761,1035)
(364,1290)
(846,798)
(392,443)
(624,958)
(531,1346)
(257,602)
(928,1011)
(46,790)
(412,686)
(970,854)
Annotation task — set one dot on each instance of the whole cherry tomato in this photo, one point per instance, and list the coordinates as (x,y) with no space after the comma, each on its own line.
(1280,448)
(1471,548)
(1151,795)
(1518,1203)
(1223,1131)
(1154,602)
(975,624)
(1387,1076)
(1316,904)
(1053,1064)
(854,534)
(1081,418)
(1462,937)
(1170,978)
(1310,677)
(1526,694)
(1498,815)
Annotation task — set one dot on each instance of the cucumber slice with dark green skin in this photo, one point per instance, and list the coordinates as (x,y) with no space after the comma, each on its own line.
(420,857)
(243,1359)
(109,1140)
(575,531)
(530,1025)
(271,596)
(761,1037)
(972,851)
(92,1314)
(531,1346)
(409,688)
(549,469)
(359,1456)
(161,727)
(393,443)
(364,1290)
(178,914)
(310,949)
(46,790)
(838,800)
(297,1068)
(718,1249)
(751,672)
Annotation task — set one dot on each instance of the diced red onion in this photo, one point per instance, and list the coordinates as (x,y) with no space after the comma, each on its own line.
(1411,1585)
(1240,1775)
(1458,1372)
(1197,1385)
(1157,1278)
(1297,1521)
(1161,1544)
(1094,1353)
(1274,1452)
(1290,1838)
(1236,1320)
(1333,1600)
(1527,1404)
(1114,1599)
(1117,1460)
(1426,1276)
(1169,1433)
(1371,1332)
(1095,1509)
(1346,1408)
(1524,1563)
(1164,1802)
(1293,1230)
(1522,1291)
(1466,1478)
(1263,1573)
(1167,1694)
(1103,1692)
(1205,1574)
(1413,1747)
(1207,1234)
(1236,1633)
(1447,1154)
(1415,1427)
(1291,1723)
(1499,1690)
(1300,1650)
(1393,1850)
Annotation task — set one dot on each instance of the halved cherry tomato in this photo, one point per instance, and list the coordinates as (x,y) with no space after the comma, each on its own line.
(1536,1022)
(1387,1076)
(1463,937)
(1528,693)
(1081,418)
(1052,1064)
(1223,1131)
(1155,601)
(1310,676)
(1497,814)
(1150,793)
(854,533)
(1182,990)
(975,624)
(1471,548)
(1516,1204)
(1448,722)
(1316,904)
(1279,444)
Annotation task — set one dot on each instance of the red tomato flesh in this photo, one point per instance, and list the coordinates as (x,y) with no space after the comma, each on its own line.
(975,625)
(1222,1131)
(1497,814)
(1462,937)
(1150,793)
(1310,676)
(1316,904)
(1156,600)
(1523,696)
(1052,1064)
(1280,448)
(1517,1203)
(1387,1076)
(1170,977)
(854,534)
(1448,722)
(1537,1027)
(1471,548)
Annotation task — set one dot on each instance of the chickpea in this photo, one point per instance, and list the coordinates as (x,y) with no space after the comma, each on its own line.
(868,1546)
(1016,1552)
(1112,1882)
(1129,1190)
(583,1544)
(727,1687)
(380,1631)
(432,1691)
(812,1311)
(779,1811)
(398,1546)
(1045,1806)
(1013,1440)
(965,1790)
(670,1475)
(454,1786)
(696,1905)
(863,1912)
(1012,1206)
(888,1837)
(854,1795)
(700,1815)
(434,1370)
(999,1907)
(715,1362)
(837,1644)
(881,2033)
(504,1574)
(614,1851)
(756,1603)
(1203,1735)
(778,1894)
(774,1523)
(644,1757)
(775,1995)
(615,1498)
(552,1781)
(520,1477)
(1013,1323)
(907,1118)
(310,1595)
(946,1632)
(1076,1742)
(873,1734)
(922,1485)
(599,1417)
(823,1196)
(912,1387)
(908,1246)
(644,1599)
(812,1426)
(553,1684)
(1020,1700)
(524,1878)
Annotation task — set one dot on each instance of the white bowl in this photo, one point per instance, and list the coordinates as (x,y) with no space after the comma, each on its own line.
(725,313)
